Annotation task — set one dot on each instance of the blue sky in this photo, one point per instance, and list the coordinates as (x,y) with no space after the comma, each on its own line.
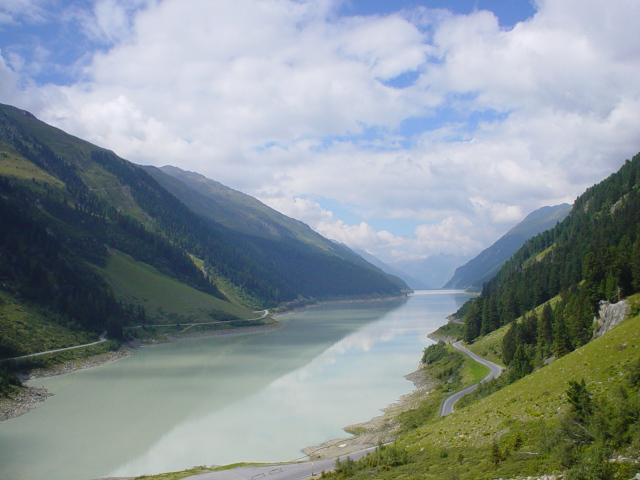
(402,128)
(509,12)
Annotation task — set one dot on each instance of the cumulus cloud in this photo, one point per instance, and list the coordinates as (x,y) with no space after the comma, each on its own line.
(448,121)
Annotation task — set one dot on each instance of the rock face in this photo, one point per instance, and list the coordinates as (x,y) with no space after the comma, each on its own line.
(609,316)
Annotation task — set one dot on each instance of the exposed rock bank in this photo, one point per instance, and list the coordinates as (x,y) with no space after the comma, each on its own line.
(382,428)
(23,401)
(26,398)
(609,316)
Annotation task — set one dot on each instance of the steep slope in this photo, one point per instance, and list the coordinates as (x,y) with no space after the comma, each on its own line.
(484,266)
(76,218)
(592,255)
(532,427)
(233,209)
(269,232)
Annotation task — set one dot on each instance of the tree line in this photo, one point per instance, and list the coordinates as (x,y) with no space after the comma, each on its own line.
(592,255)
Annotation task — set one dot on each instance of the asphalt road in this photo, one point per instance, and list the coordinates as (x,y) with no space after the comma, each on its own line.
(102,339)
(495,371)
(292,471)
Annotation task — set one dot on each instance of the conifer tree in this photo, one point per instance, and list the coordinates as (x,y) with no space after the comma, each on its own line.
(562,342)
(544,342)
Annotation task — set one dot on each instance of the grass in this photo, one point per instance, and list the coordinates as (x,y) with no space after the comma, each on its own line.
(477,371)
(12,165)
(490,346)
(176,475)
(165,300)
(516,422)
(541,394)
(450,329)
(451,374)
(25,331)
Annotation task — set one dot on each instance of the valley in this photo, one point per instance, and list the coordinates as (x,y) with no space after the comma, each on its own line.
(97,253)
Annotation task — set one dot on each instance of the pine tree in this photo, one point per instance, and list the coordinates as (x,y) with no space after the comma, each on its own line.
(635,266)
(562,342)
(490,318)
(545,332)
(473,321)
(521,363)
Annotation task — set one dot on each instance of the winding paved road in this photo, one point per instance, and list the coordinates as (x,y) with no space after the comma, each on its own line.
(495,371)
(291,471)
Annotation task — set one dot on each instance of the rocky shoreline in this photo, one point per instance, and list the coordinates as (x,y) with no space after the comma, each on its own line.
(381,429)
(26,398)
(22,402)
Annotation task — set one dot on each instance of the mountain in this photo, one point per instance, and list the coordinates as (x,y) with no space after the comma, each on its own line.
(433,271)
(591,255)
(233,209)
(412,282)
(96,242)
(483,267)
(261,228)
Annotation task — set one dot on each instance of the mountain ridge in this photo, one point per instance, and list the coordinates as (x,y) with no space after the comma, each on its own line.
(487,263)
(79,206)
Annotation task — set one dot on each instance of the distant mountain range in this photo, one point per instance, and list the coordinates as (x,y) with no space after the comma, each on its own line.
(485,266)
(451,272)
(99,242)
(433,271)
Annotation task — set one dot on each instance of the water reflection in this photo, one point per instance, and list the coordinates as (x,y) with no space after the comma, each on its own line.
(219,400)
(345,384)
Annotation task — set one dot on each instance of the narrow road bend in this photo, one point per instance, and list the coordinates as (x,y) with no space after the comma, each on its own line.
(495,371)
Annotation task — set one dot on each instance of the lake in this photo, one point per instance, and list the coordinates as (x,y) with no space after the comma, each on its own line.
(223,399)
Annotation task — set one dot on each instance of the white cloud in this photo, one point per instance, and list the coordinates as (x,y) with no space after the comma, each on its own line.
(284,100)
(108,21)
(28,11)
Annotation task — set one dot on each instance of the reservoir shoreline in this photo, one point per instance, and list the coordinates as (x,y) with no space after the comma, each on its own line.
(290,372)
(28,397)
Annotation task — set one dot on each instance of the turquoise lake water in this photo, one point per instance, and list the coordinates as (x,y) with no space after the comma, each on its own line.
(224,399)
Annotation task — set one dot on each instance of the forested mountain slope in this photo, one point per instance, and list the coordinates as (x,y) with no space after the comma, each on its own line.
(69,210)
(265,230)
(592,255)
(483,267)
(235,210)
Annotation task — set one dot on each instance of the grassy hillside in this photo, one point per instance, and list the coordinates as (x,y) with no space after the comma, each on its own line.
(94,241)
(165,299)
(521,430)
(538,396)
(25,330)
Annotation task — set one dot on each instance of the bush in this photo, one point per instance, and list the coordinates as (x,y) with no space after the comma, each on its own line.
(8,379)
(434,352)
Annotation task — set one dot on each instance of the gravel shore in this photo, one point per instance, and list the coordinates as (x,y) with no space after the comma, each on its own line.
(26,398)
(382,428)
